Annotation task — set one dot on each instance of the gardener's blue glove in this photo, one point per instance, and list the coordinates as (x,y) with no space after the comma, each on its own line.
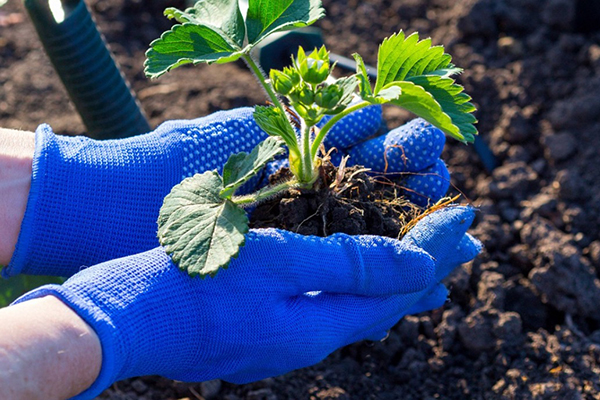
(92,201)
(263,316)
(411,152)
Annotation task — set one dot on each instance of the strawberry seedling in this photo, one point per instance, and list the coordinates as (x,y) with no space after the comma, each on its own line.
(202,222)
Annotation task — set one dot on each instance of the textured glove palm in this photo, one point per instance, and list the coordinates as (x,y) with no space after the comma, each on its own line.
(92,201)
(263,316)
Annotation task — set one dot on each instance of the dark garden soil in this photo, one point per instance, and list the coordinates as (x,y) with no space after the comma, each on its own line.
(524,317)
(344,200)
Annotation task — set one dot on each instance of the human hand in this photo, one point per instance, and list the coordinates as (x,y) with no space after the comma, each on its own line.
(409,153)
(92,201)
(152,318)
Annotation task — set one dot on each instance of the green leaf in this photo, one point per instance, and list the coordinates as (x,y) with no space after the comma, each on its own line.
(385,95)
(404,60)
(240,167)
(211,32)
(401,58)
(453,101)
(223,16)
(269,16)
(201,231)
(363,78)
(273,121)
(184,44)
(417,100)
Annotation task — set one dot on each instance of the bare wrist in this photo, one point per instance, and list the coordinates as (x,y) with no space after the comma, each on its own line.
(46,351)
(16,157)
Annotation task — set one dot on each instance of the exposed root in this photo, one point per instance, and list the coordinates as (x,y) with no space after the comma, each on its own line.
(345,199)
(442,203)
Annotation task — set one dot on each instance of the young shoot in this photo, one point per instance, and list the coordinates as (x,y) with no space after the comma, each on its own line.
(202,223)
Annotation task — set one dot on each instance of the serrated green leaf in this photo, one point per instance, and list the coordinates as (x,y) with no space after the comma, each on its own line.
(454,102)
(406,59)
(184,44)
(401,58)
(201,231)
(223,16)
(275,123)
(268,16)
(240,167)
(417,100)
(363,78)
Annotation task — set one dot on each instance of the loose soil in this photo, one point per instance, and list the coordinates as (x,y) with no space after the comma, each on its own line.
(345,200)
(523,320)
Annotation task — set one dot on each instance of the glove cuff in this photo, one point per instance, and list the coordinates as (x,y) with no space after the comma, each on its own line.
(23,245)
(91,201)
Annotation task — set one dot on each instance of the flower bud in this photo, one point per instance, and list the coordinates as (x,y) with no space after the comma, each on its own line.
(313,68)
(306,96)
(293,74)
(308,113)
(328,97)
(302,94)
(282,83)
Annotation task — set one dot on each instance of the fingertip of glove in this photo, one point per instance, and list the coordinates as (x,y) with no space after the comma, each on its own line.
(409,148)
(469,247)
(440,232)
(420,129)
(421,142)
(465,251)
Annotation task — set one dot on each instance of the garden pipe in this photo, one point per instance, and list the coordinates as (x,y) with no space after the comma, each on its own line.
(79,54)
(276,51)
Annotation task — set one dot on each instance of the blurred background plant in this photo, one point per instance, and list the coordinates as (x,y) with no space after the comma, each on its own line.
(14,287)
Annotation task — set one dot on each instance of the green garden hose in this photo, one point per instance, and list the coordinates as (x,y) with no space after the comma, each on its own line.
(87,69)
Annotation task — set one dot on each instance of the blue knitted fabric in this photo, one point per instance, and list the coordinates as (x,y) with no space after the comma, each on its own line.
(263,316)
(408,154)
(92,201)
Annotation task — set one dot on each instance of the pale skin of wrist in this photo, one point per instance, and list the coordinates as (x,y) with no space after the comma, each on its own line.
(46,350)
(16,157)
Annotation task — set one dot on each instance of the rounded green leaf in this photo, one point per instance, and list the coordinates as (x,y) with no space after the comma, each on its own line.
(201,231)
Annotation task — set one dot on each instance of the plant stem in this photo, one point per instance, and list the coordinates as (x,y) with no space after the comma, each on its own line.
(307,160)
(325,129)
(264,193)
(263,81)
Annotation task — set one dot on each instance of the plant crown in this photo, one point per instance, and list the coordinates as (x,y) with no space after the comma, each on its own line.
(202,222)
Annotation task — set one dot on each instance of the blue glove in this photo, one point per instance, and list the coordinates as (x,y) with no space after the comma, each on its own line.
(92,201)
(263,316)
(411,151)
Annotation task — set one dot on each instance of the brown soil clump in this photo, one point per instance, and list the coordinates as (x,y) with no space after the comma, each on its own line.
(347,200)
